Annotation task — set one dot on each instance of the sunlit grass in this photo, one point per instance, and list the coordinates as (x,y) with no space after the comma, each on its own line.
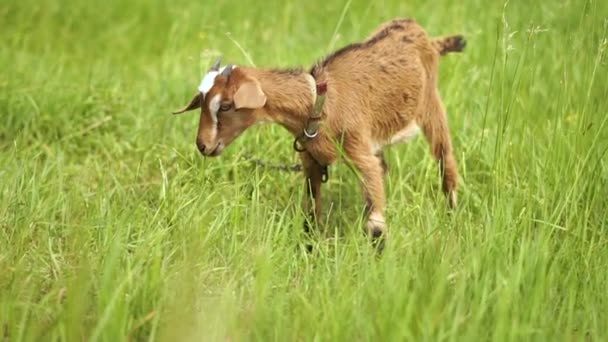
(113,227)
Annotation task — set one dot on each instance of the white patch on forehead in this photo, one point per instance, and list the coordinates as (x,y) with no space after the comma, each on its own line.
(209,80)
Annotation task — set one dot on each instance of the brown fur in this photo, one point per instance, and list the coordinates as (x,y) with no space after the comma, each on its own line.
(376,89)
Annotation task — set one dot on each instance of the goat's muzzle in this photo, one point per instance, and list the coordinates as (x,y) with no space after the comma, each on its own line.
(209,151)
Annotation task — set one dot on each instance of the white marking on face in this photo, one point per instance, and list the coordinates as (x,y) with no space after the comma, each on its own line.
(214,106)
(209,80)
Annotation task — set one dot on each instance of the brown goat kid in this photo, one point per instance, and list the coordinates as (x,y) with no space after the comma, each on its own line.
(379,92)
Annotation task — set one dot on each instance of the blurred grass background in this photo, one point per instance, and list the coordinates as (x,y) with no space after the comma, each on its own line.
(112,227)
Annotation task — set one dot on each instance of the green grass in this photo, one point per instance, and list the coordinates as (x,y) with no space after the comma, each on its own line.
(113,227)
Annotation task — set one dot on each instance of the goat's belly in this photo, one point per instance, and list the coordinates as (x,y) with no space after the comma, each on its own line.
(404,135)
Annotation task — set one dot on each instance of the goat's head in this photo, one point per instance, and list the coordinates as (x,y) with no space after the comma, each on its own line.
(230,102)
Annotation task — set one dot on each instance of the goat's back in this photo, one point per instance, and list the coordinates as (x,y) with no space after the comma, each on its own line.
(385,76)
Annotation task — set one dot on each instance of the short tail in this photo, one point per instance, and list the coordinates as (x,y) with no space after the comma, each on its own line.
(449,44)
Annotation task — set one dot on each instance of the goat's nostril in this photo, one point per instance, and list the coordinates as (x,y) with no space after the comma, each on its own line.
(201,146)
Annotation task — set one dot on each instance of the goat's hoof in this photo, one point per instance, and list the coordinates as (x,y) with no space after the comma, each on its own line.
(376,231)
(308,230)
(378,240)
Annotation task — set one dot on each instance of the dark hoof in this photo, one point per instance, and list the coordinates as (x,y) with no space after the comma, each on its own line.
(378,240)
(308,230)
(376,234)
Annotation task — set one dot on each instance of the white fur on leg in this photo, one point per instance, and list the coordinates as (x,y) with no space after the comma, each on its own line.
(375,222)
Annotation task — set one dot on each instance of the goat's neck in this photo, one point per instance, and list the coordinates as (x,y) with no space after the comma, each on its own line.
(289,97)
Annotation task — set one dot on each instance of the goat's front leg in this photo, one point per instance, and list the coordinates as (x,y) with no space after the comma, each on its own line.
(382,159)
(372,184)
(313,172)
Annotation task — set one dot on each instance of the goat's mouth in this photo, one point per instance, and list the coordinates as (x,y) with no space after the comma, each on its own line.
(217,150)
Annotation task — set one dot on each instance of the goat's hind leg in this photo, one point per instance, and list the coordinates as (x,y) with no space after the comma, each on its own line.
(437,134)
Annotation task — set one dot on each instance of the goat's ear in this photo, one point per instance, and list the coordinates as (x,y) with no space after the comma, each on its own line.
(195,103)
(249,95)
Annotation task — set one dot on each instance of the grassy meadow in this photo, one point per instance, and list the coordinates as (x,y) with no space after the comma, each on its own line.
(113,227)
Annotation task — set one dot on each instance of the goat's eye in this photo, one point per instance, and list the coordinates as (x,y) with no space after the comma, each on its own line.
(224,107)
